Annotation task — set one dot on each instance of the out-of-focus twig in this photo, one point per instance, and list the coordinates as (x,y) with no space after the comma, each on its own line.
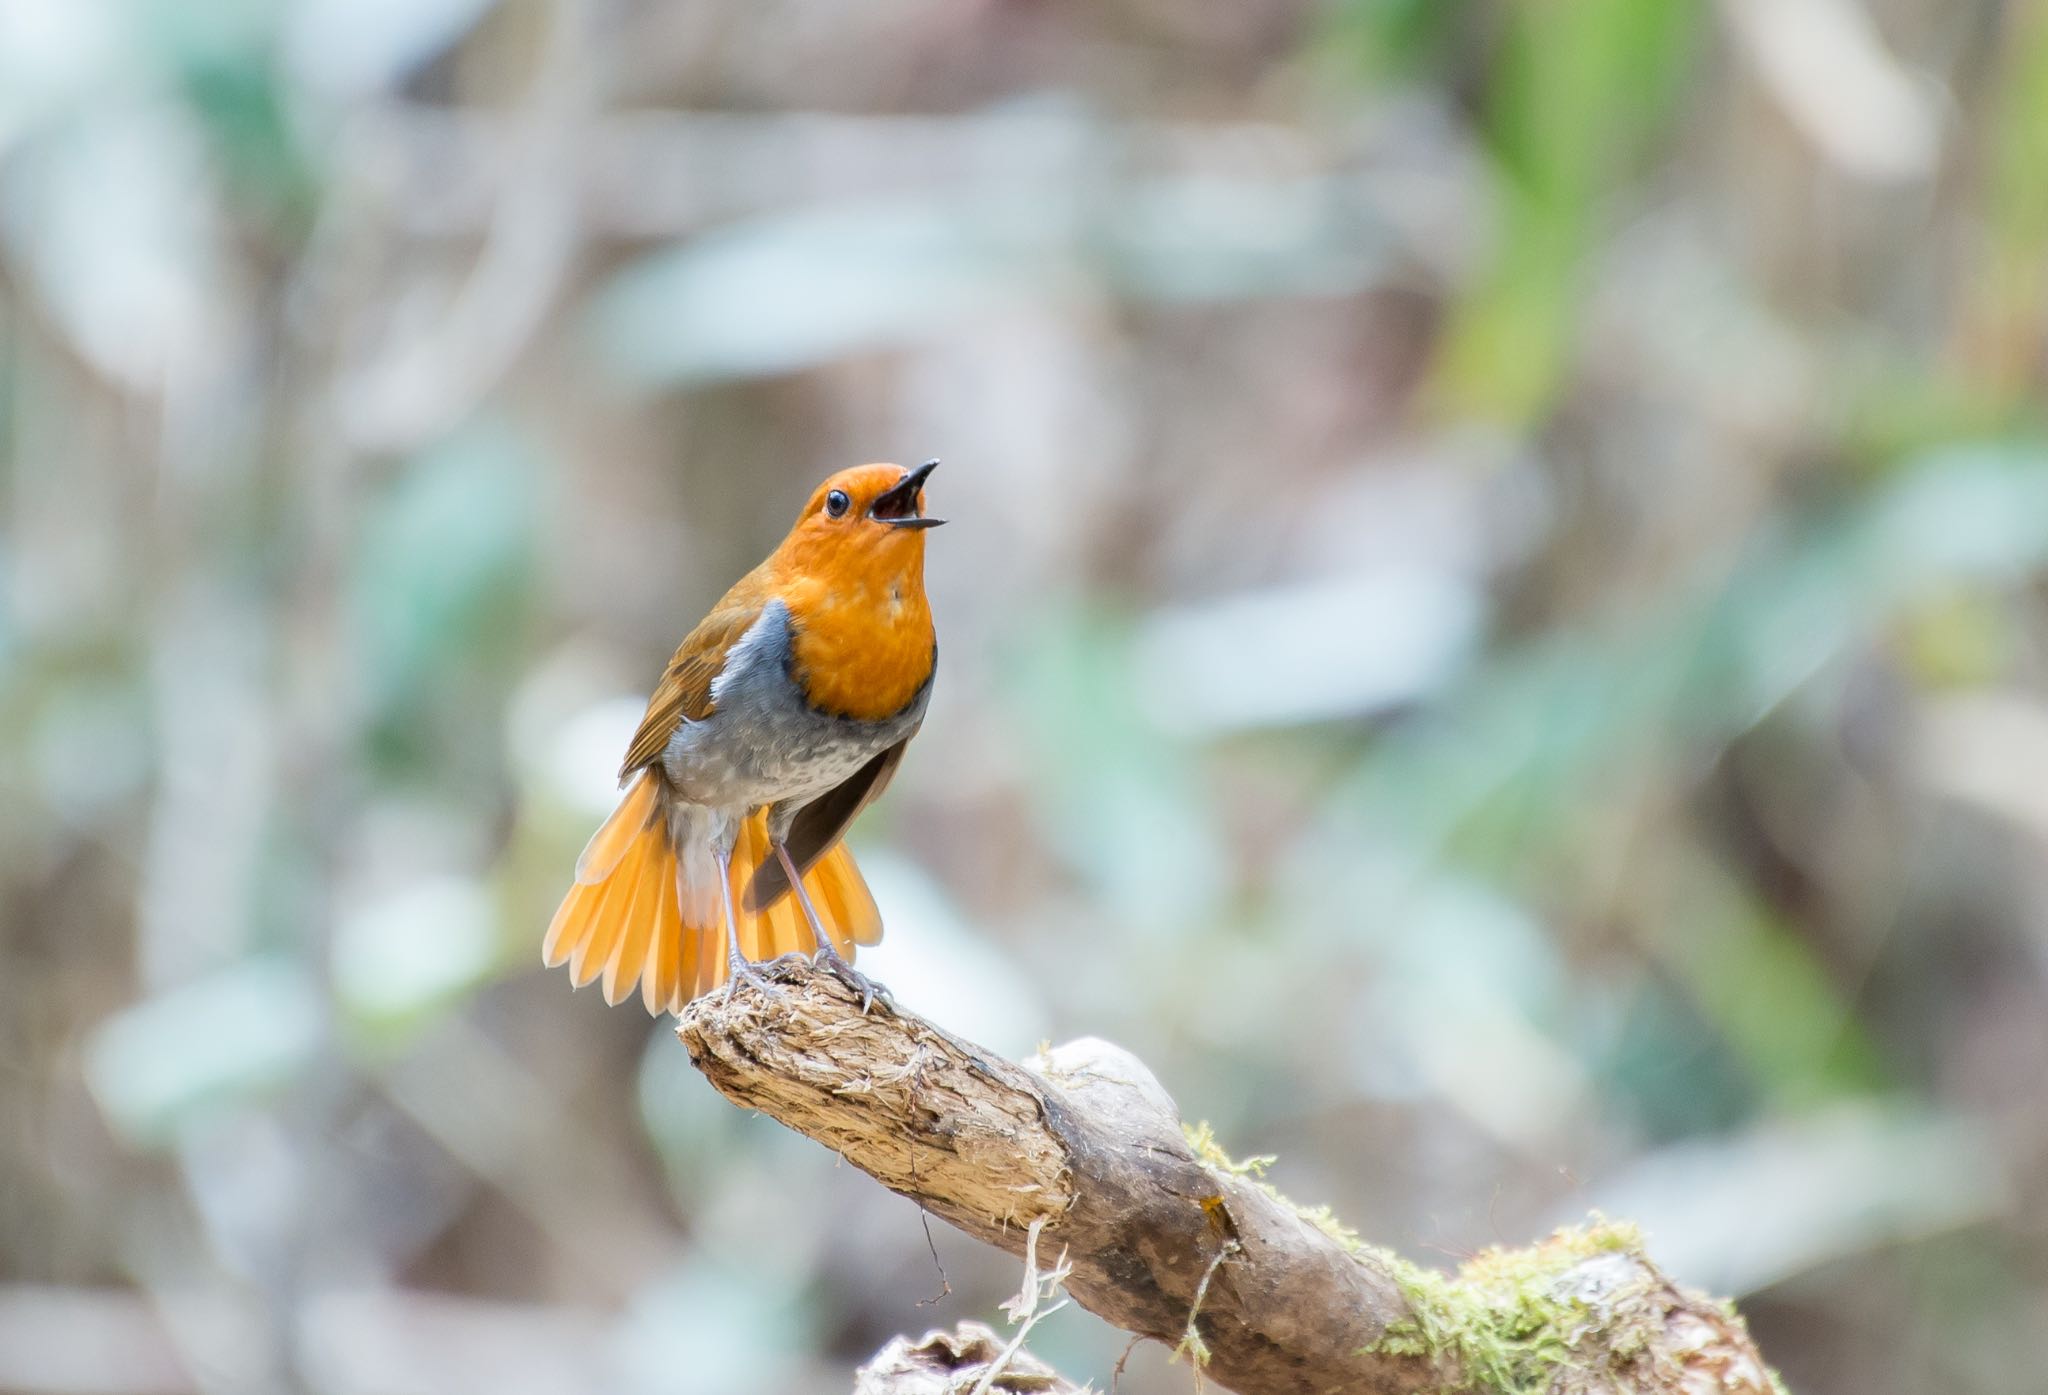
(1082,1148)
(426,382)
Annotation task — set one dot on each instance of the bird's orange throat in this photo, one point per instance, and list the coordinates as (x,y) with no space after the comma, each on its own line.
(863,646)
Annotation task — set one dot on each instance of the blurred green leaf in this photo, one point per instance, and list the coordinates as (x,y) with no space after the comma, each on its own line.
(182,35)
(267,173)
(238,1035)
(1382,38)
(1773,1002)
(1514,781)
(90,748)
(399,961)
(1494,775)
(1120,799)
(2020,132)
(1582,86)
(1469,995)
(1669,1069)
(439,588)
(732,1330)
(2012,282)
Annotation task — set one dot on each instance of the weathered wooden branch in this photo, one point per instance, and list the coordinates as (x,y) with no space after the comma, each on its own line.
(1170,1240)
(948,1363)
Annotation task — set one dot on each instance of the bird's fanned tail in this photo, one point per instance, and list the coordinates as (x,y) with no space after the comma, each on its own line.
(622,922)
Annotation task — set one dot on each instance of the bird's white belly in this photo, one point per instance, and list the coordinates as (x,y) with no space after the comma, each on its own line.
(735,761)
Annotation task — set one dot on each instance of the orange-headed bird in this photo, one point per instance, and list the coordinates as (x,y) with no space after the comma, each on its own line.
(781,717)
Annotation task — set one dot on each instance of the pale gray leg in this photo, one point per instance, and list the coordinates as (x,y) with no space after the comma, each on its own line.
(737,966)
(833,961)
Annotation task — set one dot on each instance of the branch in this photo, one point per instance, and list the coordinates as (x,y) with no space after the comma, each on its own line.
(948,1363)
(1169,1239)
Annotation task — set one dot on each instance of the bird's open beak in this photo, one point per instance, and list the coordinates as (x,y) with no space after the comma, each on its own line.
(897,505)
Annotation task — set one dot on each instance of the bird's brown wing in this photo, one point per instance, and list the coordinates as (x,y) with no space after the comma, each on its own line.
(685,688)
(821,823)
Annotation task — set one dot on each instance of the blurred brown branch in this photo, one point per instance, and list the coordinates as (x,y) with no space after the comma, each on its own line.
(1170,1240)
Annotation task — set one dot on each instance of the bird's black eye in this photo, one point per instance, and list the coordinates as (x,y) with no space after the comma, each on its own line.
(836,503)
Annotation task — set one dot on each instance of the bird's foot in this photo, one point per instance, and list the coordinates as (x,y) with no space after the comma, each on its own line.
(740,970)
(869,990)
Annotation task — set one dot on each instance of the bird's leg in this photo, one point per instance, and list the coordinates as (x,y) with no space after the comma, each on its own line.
(737,966)
(833,961)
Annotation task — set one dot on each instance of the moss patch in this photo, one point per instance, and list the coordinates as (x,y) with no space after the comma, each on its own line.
(1526,1321)
(1581,1313)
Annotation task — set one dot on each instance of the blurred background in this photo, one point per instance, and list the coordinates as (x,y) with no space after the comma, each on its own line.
(1495,631)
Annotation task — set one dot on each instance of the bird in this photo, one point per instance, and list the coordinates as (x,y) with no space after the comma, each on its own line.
(782,716)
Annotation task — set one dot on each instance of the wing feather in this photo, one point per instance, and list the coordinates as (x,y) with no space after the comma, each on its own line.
(684,692)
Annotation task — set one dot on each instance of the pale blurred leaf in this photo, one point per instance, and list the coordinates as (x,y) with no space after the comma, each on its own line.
(1827,67)
(1739,1213)
(357,48)
(399,958)
(778,294)
(437,577)
(54,53)
(238,1034)
(930,954)
(1458,1008)
(114,222)
(1533,734)
(1225,239)
(1310,652)
(1120,798)
(733,1331)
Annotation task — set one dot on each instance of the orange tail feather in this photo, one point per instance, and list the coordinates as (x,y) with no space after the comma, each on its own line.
(622,922)
(628,822)
(853,918)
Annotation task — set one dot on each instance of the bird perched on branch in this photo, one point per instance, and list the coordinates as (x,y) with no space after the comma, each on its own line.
(781,717)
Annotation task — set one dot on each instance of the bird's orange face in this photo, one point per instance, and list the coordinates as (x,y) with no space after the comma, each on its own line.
(866,523)
(852,574)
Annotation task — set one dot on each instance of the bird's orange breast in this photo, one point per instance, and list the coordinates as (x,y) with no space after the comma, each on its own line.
(863,646)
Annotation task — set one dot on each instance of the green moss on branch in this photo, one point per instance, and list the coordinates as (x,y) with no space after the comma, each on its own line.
(1584,1312)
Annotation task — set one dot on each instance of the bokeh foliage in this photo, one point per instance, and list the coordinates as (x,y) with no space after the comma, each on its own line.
(1494,630)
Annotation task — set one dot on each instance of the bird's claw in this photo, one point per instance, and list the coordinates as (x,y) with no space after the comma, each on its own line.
(869,990)
(744,971)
